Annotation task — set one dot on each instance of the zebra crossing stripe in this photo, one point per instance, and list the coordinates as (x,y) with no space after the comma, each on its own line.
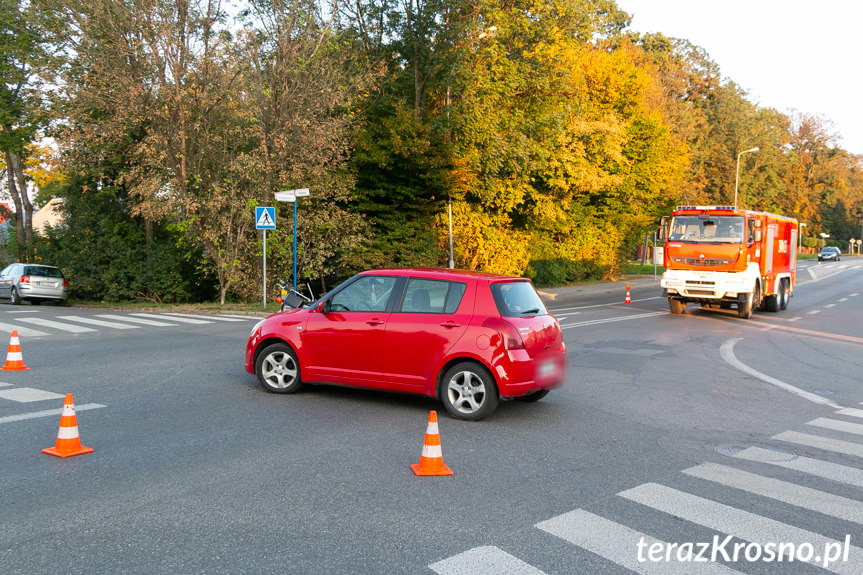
(619,543)
(47,413)
(100,323)
(137,320)
(209,317)
(488,560)
(737,522)
(817,467)
(22,331)
(798,495)
(851,411)
(56,325)
(28,394)
(172,318)
(837,425)
(825,443)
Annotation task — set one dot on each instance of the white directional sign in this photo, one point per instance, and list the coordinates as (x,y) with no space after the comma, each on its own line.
(291,195)
(265,218)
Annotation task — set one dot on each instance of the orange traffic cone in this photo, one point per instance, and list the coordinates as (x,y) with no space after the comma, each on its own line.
(628,299)
(68,442)
(431,460)
(14,359)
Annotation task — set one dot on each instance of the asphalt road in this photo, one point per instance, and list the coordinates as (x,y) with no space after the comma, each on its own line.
(673,428)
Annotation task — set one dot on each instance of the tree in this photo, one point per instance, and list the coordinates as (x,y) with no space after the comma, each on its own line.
(22,54)
(303,77)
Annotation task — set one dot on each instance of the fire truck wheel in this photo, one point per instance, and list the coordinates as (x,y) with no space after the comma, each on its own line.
(749,303)
(783,294)
(676,306)
(771,303)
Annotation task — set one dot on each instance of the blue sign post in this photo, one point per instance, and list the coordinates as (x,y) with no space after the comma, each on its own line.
(265,219)
(291,196)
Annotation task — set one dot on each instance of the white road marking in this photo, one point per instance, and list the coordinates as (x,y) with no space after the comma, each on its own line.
(28,395)
(100,323)
(837,425)
(851,412)
(740,524)
(727,353)
(47,413)
(181,319)
(56,325)
(210,317)
(818,442)
(613,319)
(618,543)
(137,320)
(565,309)
(791,493)
(22,331)
(816,467)
(486,560)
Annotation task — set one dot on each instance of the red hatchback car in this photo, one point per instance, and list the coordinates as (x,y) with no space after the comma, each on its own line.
(469,339)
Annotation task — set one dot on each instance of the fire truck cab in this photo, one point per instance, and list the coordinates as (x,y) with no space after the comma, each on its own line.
(720,255)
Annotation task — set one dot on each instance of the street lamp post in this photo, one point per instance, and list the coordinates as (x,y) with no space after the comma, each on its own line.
(737,173)
(449,210)
(800,238)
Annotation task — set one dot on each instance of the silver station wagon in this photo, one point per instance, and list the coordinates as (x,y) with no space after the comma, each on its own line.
(33,282)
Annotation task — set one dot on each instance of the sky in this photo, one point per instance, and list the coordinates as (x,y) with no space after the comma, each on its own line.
(790,55)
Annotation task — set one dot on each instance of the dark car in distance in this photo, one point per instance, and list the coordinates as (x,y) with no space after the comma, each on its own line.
(469,339)
(829,254)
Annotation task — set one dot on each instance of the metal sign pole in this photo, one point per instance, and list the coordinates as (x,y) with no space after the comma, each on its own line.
(265,219)
(292,196)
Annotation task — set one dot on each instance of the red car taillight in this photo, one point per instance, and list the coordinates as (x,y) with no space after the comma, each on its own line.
(25,279)
(508,334)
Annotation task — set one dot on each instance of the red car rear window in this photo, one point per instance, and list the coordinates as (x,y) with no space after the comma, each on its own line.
(515,299)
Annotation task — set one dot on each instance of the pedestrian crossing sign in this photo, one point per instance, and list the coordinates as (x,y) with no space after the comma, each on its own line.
(265,218)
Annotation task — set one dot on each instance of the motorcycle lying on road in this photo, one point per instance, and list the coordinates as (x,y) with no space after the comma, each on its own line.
(291,298)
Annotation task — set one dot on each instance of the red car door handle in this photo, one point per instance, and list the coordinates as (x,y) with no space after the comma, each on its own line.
(450,324)
(375,321)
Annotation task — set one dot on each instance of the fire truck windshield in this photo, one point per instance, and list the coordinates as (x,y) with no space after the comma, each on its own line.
(706,229)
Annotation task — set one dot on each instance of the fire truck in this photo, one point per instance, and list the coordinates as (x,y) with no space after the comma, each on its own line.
(721,255)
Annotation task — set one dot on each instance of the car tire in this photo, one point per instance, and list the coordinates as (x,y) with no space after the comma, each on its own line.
(468,391)
(278,369)
(14,298)
(535,396)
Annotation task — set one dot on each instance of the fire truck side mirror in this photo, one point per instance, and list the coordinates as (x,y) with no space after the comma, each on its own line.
(663,226)
(757,235)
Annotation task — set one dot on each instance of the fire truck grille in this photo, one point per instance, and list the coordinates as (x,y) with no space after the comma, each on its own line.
(704,262)
(695,287)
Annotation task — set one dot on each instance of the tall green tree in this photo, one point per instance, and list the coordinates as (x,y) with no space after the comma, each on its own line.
(23,52)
